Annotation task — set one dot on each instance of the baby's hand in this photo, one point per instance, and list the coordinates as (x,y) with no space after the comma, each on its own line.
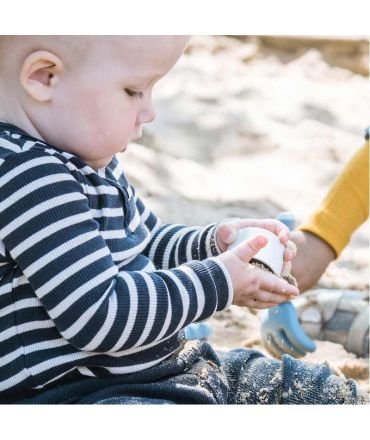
(254,287)
(227,232)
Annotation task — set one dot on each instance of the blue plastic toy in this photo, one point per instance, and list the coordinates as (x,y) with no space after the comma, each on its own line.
(199,330)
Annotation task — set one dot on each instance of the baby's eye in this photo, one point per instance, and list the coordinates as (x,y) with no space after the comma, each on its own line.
(134,94)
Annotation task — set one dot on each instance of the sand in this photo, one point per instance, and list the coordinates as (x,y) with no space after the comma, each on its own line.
(250,127)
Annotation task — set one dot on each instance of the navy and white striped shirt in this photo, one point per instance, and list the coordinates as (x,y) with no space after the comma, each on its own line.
(91,283)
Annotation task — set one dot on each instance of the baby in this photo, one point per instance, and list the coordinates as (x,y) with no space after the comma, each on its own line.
(94,290)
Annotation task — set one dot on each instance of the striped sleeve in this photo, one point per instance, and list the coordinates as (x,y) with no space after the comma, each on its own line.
(47,226)
(173,244)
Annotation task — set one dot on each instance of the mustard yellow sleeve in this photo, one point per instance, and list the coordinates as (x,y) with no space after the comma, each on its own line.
(346,206)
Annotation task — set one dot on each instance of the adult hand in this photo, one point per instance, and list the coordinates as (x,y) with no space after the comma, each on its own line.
(313,257)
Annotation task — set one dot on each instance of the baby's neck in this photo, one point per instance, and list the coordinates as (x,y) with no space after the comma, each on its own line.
(22,123)
(12,112)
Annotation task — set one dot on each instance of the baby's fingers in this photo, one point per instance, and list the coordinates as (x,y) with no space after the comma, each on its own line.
(276,285)
(290,251)
(255,304)
(270,297)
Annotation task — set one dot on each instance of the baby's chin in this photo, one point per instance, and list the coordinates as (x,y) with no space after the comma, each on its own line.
(137,135)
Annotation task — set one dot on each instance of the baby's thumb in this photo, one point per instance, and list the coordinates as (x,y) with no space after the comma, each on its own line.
(248,249)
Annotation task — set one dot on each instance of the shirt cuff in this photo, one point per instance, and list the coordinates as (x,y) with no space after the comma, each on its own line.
(213,249)
(222,281)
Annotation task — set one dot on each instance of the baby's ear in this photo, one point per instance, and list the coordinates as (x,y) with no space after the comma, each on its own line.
(40,73)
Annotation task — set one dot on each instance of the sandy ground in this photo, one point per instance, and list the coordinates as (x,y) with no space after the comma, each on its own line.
(250,127)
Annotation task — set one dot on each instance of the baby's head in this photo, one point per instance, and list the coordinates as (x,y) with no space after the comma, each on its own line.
(88,95)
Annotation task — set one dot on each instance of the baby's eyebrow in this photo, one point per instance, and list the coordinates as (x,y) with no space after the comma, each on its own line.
(136,81)
(149,76)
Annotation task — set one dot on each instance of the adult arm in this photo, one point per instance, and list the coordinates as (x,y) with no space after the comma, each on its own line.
(324,235)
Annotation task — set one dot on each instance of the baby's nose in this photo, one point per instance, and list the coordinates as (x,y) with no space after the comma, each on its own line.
(146,115)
